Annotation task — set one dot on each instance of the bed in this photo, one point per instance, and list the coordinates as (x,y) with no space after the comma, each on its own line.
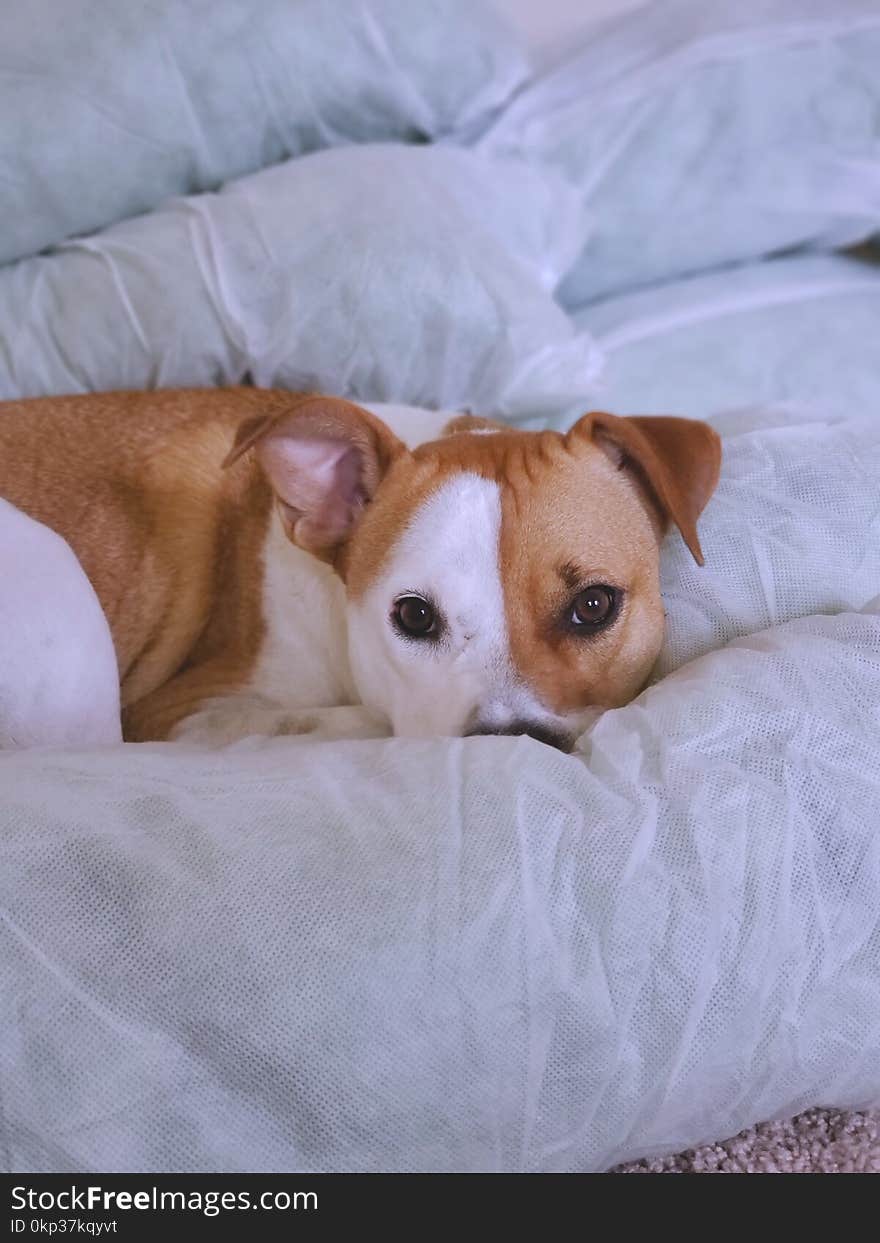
(474,954)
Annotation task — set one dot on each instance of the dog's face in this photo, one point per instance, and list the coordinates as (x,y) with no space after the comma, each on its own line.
(498,581)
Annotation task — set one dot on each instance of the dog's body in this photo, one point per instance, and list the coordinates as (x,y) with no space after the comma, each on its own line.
(276,595)
(190,562)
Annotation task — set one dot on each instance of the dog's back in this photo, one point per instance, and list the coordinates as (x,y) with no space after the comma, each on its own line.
(133,482)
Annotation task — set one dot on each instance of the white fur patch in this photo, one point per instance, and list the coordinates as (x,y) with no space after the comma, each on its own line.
(302,678)
(449,554)
(303,662)
(59,679)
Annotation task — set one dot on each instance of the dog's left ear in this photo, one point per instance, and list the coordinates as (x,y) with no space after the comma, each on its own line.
(324,458)
(677,460)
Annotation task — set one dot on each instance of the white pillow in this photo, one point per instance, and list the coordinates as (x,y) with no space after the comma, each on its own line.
(456,954)
(703,134)
(801,330)
(59,676)
(118,105)
(381,272)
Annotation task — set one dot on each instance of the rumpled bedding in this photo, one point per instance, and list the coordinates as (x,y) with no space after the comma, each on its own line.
(111,107)
(453,955)
(432,284)
(464,954)
(800,329)
(705,134)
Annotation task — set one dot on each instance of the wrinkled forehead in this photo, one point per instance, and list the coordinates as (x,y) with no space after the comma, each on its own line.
(538,509)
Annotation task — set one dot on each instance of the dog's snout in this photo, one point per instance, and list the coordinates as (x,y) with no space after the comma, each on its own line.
(533,729)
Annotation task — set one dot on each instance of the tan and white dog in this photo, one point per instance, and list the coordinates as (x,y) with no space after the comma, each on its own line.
(274,563)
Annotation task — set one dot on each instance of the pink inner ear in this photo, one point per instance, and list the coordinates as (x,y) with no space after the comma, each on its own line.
(319,481)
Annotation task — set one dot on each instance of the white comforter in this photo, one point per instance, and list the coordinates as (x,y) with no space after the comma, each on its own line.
(464,954)
(481,954)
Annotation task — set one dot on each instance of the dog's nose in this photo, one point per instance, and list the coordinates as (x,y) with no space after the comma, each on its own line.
(541,733)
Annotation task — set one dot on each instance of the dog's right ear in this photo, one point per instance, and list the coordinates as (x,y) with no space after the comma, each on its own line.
(324,458)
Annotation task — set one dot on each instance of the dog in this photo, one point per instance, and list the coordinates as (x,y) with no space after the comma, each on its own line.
(275,563)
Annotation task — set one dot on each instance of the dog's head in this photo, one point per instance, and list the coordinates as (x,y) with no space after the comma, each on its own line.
(498,581)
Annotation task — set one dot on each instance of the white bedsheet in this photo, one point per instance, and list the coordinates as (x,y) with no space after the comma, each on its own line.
(453,955)
(481,954)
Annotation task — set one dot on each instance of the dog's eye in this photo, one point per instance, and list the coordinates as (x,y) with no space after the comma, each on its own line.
(594,607)
(414,617)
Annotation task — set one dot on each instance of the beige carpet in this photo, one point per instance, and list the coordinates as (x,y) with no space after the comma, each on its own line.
(820,1141)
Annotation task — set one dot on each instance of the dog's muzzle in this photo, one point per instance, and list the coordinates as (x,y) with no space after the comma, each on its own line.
(532,729)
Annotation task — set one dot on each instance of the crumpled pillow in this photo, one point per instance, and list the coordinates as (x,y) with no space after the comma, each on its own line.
(792,530)
(802,330)
(453,955)
(384,272)
(111,107)
(59,684)
(704,134)
(481,954)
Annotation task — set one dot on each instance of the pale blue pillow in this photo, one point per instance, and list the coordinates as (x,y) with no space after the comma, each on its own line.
(381,272)
(803,330)
(109,106)
(700,135)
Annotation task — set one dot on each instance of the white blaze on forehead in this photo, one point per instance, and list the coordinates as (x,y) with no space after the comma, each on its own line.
(449,554)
